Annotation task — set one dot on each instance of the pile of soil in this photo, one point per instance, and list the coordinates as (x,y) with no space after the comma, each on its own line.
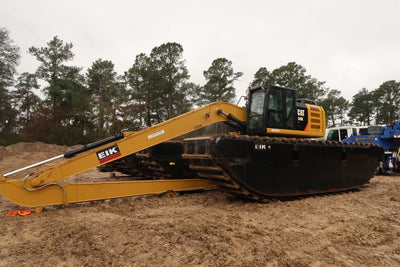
(209,228)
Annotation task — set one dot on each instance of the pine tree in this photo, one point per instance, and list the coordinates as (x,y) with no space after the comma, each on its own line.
(66,97)
(9,60)
(220,77)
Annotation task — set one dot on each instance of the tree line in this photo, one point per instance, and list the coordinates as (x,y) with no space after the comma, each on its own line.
(77,107)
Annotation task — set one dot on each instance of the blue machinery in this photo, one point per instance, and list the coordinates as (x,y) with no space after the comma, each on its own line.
(387,137)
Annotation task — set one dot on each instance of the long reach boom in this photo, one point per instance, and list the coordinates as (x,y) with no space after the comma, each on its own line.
(43,188)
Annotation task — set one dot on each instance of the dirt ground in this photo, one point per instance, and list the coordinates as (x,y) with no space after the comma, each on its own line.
(358,228)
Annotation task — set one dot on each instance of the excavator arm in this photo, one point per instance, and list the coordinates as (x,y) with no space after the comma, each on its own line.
(43,188)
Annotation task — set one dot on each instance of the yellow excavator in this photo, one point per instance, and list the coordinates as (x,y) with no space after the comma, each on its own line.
(275,151)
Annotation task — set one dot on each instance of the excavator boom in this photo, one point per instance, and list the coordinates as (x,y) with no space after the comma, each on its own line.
(42,187)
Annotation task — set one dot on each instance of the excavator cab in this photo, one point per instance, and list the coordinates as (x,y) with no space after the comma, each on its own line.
(270,107)
(274,110)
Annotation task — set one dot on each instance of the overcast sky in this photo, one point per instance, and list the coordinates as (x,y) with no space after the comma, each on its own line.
(349,44)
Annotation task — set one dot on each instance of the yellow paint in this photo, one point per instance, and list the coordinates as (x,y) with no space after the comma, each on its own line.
(131,143)
(52,195)
(316,125)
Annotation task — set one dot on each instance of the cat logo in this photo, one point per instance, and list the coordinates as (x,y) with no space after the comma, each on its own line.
(300,114)
(108,154)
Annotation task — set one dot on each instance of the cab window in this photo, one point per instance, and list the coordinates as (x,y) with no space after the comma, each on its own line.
(275,109)
(289,103)
(256,114)
(343,134)
(333,135)
(257,103)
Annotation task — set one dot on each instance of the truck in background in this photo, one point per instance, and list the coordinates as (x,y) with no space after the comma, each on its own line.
(343,132)
(387,136)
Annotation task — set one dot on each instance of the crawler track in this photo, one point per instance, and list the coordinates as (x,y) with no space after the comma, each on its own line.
(258,167)
(261,167)
(161,161)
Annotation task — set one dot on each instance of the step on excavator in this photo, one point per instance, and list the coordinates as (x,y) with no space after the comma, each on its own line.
(275,151)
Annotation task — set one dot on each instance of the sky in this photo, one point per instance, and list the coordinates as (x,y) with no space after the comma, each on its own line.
(348,44)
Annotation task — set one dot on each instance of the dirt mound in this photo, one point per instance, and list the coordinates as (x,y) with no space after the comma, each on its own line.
(32,147)
(26,153)
(358,228)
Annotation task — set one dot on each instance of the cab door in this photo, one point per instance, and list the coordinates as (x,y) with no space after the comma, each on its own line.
(279,113)
(275,109)
(256,111)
